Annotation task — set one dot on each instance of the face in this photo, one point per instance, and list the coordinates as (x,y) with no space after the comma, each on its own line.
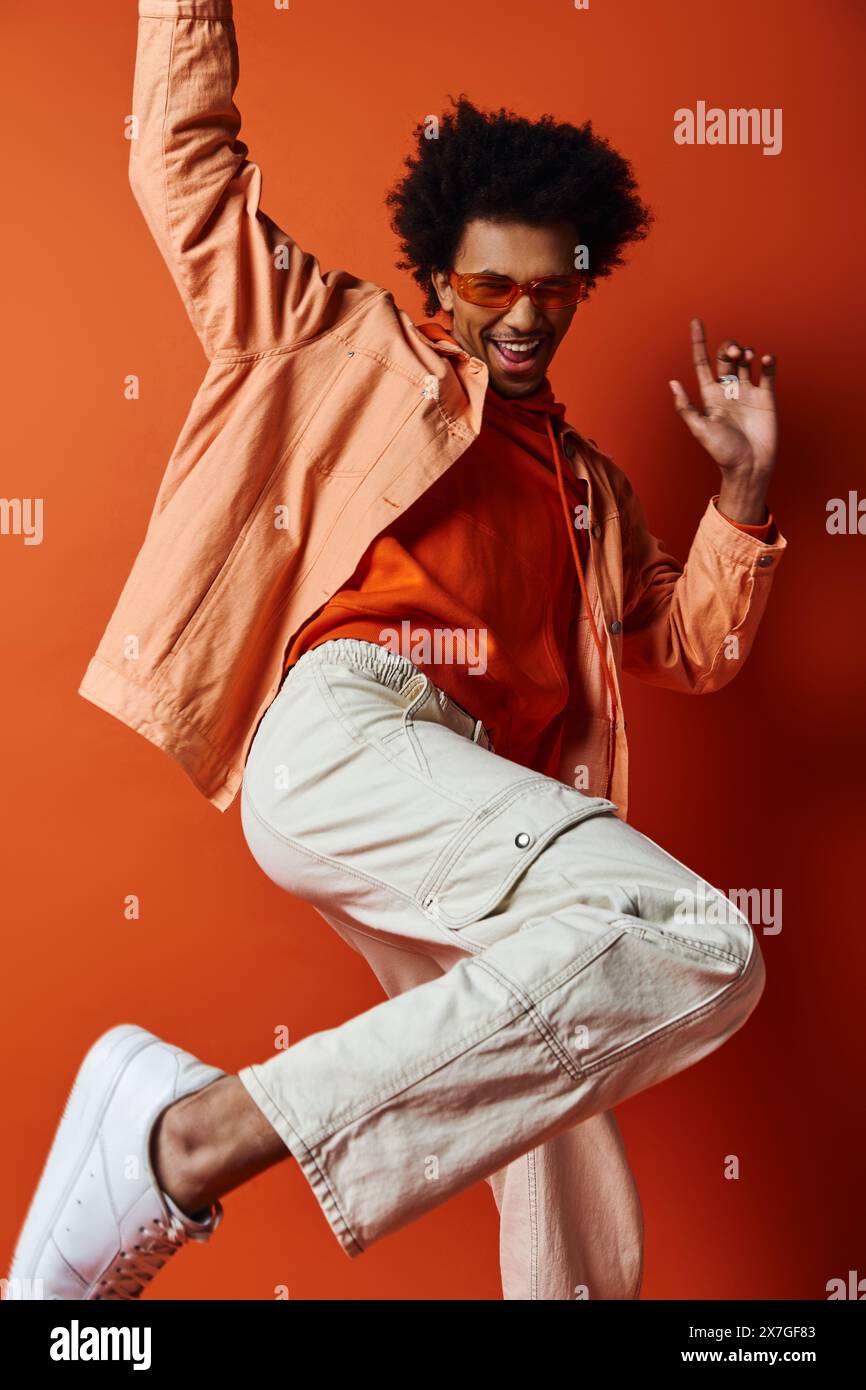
(517,344)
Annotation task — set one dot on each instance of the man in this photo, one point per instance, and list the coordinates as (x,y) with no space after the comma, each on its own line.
(388,591)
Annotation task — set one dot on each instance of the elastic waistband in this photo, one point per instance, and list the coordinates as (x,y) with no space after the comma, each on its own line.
(395,671)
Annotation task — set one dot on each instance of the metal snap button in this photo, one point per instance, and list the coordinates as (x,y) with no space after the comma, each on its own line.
(616,625)
(765,560)
(350,353)
(522,839)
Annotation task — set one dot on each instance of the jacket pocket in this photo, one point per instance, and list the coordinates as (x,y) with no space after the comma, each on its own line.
(497,843)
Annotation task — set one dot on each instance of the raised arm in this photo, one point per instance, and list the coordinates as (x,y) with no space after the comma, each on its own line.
(690,627)
(246,285)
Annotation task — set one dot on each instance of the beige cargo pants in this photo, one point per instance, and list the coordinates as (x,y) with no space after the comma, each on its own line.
(543,961)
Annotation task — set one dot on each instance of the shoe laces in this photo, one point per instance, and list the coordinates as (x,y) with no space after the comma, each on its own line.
(132,1270)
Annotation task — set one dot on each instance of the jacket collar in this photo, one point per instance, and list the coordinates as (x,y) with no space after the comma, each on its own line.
(581,448)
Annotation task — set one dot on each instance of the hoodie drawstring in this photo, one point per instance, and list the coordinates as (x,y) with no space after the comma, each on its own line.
(569,522)
(544,400)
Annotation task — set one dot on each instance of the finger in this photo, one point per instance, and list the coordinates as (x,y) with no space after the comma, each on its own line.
(768,373)
(728,358)
(703,370)
(690,413)
(744,367)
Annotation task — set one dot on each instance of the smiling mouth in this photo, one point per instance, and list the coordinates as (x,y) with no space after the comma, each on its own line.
(519,354)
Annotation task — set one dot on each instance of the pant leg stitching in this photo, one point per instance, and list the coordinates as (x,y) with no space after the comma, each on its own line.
(496,806)
(589,953)
(321,1172)
(522,1007)
(722,995)
(358,737)
(532,1184)
(639,926)
(338,867)
(404,1080)
(541,1025)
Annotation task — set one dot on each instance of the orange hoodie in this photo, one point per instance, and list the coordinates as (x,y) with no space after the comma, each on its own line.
(481,581)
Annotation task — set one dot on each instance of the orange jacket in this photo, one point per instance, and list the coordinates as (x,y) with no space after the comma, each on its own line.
(323,414)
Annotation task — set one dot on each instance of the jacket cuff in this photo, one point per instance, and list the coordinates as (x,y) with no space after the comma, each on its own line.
(760,529)
(738,547)
(185,9)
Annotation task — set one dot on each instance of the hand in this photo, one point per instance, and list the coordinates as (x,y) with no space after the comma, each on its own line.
(737,429)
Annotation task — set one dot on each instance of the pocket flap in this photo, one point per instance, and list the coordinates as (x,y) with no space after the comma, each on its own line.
(497,843)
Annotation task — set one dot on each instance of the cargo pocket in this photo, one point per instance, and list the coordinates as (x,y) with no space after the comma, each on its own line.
(497,843)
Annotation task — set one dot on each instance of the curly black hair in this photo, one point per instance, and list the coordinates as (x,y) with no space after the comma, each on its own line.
(501,166)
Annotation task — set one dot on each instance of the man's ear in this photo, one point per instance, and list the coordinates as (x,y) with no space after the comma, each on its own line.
(444,292)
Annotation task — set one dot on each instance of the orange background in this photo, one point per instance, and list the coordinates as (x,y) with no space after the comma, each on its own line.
(759,785)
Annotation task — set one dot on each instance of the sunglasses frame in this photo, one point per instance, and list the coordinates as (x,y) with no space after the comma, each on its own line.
(461,282)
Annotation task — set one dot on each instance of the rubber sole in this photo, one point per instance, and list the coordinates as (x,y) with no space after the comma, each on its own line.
(91,1091)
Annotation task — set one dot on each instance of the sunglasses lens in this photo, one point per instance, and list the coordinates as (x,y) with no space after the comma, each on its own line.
(558,294)
(491,291)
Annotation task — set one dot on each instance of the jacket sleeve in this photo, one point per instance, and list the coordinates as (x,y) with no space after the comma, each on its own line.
(690,627)
(245,283)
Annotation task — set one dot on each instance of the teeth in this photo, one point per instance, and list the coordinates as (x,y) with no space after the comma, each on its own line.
(520,347)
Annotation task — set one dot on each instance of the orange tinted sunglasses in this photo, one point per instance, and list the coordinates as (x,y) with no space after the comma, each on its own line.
(500,291)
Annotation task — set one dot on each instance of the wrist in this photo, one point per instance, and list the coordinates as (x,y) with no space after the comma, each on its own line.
(743,498)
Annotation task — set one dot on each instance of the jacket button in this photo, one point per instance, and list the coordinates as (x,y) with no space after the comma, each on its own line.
(596,530)
(765,560)
(616,625)
(523,839)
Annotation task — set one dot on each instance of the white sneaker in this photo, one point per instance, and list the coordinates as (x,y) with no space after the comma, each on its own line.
(99,1225)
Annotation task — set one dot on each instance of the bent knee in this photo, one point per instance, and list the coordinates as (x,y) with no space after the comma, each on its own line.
(740,996)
